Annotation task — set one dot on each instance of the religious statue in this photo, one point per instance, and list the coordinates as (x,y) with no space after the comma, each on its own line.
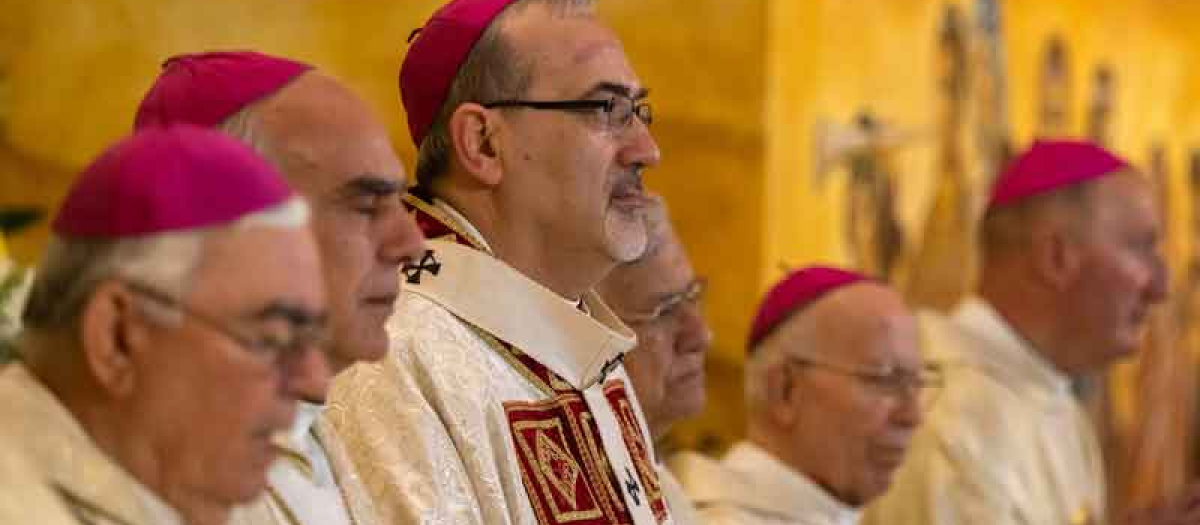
(940,272)
(874,236)
(1100,106)
(1054,90)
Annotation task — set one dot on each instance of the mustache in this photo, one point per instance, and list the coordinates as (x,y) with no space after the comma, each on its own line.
(629,182)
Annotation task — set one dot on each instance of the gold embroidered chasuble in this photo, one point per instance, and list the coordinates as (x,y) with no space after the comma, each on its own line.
(499,402)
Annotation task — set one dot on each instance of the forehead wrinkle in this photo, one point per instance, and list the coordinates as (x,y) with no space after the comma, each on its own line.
(842,324)
(593,50)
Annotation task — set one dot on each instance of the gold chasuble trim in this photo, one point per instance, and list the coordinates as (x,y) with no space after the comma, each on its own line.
(562,463)
(562,447)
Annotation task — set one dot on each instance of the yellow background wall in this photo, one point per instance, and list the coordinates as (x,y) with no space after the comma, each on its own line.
(72,72)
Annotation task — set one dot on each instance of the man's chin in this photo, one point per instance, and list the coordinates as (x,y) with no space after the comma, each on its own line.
(249,490)
(627,248)
(370,350)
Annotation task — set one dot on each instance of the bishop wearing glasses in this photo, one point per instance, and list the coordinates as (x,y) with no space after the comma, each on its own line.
(503,399)
(835,389)
(165,335)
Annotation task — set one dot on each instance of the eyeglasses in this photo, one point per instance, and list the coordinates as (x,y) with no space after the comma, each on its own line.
(619,110)
(275,348)
(897,384)
(670,307)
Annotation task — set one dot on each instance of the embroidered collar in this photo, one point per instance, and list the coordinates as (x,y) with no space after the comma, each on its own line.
(501,301)
(458,219)
(580,344)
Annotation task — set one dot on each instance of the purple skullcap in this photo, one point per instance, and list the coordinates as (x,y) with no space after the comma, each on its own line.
(799,289)
(1050,165)
(206,88)
(434,58)
(166,179)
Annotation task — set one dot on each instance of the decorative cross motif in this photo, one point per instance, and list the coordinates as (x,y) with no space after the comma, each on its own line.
(428,264)
(632,488)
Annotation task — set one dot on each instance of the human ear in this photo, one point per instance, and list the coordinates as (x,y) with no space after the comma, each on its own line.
(473,135)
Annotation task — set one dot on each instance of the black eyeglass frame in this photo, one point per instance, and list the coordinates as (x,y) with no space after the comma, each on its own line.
(637,108)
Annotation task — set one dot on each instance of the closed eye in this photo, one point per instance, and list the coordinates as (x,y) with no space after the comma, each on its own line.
(371,194)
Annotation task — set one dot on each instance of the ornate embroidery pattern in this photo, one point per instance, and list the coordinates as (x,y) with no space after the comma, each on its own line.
(614,391)
(563,466)
(434,224)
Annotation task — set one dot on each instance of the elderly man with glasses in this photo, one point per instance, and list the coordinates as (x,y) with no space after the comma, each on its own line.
(503,399)
(835,389)
(659,295)
(168,336)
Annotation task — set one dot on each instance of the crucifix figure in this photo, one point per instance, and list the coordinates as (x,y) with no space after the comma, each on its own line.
(873,233)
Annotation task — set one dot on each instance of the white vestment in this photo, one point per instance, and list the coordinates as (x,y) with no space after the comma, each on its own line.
(749,486)
(499,401)
(67,478)
(683,512)
(1005,442)
(312,483)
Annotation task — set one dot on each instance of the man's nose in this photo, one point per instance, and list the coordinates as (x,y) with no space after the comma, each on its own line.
(401,240)
(306,374)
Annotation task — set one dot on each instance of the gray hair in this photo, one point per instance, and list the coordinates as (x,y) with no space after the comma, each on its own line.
(73,268)
(768,356)
(491,71)
(660,231)
(793,336)
(244,126)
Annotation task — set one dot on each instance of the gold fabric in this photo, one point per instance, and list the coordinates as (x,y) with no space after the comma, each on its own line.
(749,486)
(427,427)
(1005,443)
(61,459)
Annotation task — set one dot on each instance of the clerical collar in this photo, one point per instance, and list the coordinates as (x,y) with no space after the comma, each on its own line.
(580,345)
(470,229)
(785,490)
(462,221)
(1008,354)
(306,417)
(749,477)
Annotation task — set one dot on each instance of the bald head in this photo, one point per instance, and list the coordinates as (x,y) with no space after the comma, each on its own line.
(313,126)
(334,150)
(831,390)
(848,324)
(1076,271)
